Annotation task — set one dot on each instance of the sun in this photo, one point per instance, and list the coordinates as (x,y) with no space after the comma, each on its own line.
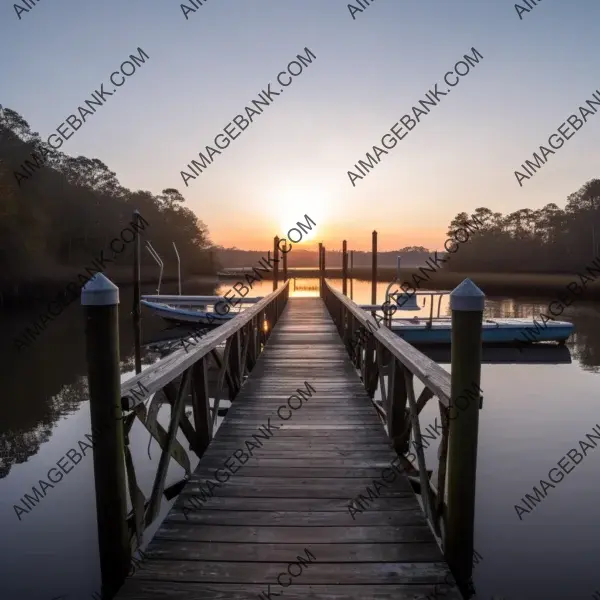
(294,207)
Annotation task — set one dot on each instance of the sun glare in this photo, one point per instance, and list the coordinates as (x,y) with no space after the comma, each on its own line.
(294,205)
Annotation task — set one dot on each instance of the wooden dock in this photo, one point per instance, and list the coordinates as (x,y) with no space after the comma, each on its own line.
(292,495)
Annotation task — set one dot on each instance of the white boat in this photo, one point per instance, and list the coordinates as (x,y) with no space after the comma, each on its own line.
(173,308)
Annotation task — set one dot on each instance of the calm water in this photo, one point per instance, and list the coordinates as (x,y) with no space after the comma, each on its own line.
(532,416)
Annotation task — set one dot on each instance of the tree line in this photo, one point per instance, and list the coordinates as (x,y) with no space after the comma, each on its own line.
(412,256)
(66,209)
(548,240)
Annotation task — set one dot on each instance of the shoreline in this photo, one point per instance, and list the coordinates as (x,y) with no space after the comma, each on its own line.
(492,284)
(35,291)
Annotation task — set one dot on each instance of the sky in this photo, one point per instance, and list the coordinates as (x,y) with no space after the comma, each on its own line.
(294,158)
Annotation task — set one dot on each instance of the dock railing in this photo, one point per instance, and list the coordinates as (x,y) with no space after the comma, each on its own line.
(175,379)
(376,352)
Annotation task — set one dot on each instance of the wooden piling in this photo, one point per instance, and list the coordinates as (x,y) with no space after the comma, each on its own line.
(324,264)
(275,262)
(137,309)
(374,269)
(345,268)
(100,298)
(285,273)
(396,409)
(201,406)
(467,303)
(351,274)
(321,269)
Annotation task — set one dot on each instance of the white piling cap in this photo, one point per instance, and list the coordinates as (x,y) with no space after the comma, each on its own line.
(467,296)
(99,291)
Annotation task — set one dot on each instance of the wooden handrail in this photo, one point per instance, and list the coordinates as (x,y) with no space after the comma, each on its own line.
(166,370)
(422,367)
(176,380)
(375,352)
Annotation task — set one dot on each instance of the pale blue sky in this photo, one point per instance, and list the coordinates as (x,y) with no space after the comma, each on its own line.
(295,156)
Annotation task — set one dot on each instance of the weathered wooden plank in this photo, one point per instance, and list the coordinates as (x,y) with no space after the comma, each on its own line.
(354,533)
(292,472)
(243,503)
(171,550)
(294,464)
(156,590)
(411,516)
(319,573)
(294,488)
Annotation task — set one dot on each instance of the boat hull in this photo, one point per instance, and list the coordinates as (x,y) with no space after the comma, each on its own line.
(186,315)
(498,331)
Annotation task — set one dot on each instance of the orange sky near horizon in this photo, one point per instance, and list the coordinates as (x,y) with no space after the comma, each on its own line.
(332,239)
(283,209)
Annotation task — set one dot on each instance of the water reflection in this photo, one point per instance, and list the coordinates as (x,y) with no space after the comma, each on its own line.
(45,410)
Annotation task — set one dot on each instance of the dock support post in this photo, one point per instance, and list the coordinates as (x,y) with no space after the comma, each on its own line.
(285,275)
(374,269)
(100,298)
(345,268)
(324,265)
(398,417)
(275,262)
(201,406)
(137,310)
(467,303)
(321,269)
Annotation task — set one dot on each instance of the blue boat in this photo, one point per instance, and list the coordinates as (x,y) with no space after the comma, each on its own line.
(494,331)
(438,330)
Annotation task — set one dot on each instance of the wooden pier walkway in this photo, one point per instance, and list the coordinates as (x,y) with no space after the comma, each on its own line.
(292,495)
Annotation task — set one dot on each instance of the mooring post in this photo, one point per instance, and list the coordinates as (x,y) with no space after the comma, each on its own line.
(467,303)
(351,274)
(321,269)
(275,262)
(374,271)
(285,275)
(137,310)
(100,299)
(345,268)
(324,265)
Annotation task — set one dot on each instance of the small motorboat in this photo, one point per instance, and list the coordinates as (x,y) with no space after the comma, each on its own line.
(494,331)
(438,330)
(191,309)
(194,309)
